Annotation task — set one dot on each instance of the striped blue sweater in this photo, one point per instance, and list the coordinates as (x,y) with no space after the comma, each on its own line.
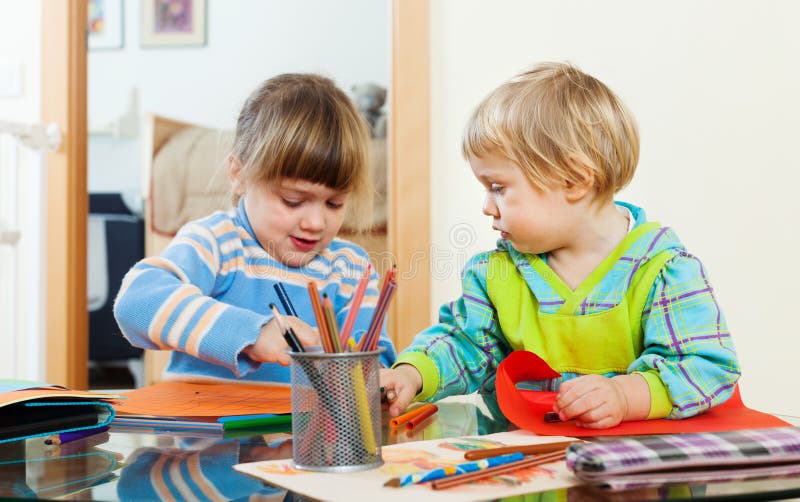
(207,296)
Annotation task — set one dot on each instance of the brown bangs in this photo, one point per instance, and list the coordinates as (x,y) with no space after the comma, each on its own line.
(315,138)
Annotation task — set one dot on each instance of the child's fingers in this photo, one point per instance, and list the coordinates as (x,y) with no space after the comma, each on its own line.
(598,418)
(576,401)
(307,335)
(393,382)
(283,359)
(309,338)
(404,397)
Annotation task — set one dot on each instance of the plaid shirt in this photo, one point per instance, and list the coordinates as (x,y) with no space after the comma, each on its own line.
(686,340)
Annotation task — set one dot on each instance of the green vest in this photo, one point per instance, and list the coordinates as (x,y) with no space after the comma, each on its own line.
(599,343)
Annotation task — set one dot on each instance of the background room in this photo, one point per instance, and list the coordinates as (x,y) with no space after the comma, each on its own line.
(711,82)
(196,72)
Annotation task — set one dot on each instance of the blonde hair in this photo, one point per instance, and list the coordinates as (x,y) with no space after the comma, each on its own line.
(302,126)
(550,121)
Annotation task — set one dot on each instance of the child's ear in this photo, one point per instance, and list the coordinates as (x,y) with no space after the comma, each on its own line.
(577,190)
(235,173)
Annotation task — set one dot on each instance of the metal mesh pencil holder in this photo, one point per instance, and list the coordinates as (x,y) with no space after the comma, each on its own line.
(336,412)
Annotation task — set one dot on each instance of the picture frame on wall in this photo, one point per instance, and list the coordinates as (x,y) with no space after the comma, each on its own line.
(173,23)
(105,25)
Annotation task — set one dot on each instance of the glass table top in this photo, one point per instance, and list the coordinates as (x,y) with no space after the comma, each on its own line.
(152,466)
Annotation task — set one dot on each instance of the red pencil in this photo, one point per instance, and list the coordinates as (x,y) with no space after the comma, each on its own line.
(405,417)
(418,419)
(370,340)
(355,304)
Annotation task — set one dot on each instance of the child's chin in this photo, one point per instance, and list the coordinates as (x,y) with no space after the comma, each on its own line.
(298,259)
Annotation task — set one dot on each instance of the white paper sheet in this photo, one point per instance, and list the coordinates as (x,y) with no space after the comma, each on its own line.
(410,457)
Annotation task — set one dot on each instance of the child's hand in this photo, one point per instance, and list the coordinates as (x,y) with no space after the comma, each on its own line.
(257,453)
(406,382)
(594,401)
(271,346)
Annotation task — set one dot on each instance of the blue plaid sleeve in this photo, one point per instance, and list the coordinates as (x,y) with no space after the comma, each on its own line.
(686,339)
(466,346)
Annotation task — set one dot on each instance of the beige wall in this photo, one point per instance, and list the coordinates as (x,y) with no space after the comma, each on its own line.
(714,85)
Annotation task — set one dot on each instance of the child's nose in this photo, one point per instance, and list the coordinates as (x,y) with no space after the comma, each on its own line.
(313,220)
(489,207)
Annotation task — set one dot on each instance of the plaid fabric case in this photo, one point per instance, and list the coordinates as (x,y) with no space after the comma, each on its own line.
(680,458)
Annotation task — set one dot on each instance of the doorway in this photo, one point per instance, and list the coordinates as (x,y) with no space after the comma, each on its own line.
(64,57)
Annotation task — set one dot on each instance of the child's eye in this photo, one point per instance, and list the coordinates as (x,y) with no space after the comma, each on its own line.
(334,204)
(291,202)
(495,188)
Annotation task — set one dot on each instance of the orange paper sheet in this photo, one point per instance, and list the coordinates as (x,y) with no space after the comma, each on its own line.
(182,399)
(526,408)
(43,393)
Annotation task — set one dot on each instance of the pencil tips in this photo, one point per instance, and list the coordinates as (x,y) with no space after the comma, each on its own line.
(393,483)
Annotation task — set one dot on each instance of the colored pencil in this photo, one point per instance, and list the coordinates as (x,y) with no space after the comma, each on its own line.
(362,402)
(445,472)
(330,319)
(551,416)
(421,417)
(527,449)
(405,417)
(527,462)
(285,301)
(316,305)
(253,421)
(82,446)
(370,340)
(387,396)
(355,305)
(374,333)
(67,437)
(168,425)
(288,333)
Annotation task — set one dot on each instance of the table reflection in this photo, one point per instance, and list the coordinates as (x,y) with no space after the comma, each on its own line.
(152,466)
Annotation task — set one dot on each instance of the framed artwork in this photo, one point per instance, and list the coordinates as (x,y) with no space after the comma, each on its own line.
(105,26)
(173,22)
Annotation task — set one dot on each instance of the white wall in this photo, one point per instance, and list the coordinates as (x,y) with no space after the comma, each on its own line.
(21,272)
(714,85)
(247,42)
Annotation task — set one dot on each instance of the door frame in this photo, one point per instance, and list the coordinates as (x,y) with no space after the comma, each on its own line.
(64,62)
(63,83)
(409,168)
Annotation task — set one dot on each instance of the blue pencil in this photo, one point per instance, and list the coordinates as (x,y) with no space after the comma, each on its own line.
(66,437)
(443,472)
(284,298)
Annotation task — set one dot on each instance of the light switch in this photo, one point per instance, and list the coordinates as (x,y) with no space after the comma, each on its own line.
(10,79)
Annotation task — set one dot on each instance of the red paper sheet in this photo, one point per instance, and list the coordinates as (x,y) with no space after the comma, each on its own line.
(526,408)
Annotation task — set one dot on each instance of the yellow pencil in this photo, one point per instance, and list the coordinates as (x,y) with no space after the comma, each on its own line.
(363,409)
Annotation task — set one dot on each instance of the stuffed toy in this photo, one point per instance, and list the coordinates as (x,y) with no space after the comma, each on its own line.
(369,98)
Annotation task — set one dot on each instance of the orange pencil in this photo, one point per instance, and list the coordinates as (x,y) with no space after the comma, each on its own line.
(528,449)
(421,417)
(330,318)
(405,417)
(316,305)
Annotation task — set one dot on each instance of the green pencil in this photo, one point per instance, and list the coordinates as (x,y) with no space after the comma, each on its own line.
(253,421)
